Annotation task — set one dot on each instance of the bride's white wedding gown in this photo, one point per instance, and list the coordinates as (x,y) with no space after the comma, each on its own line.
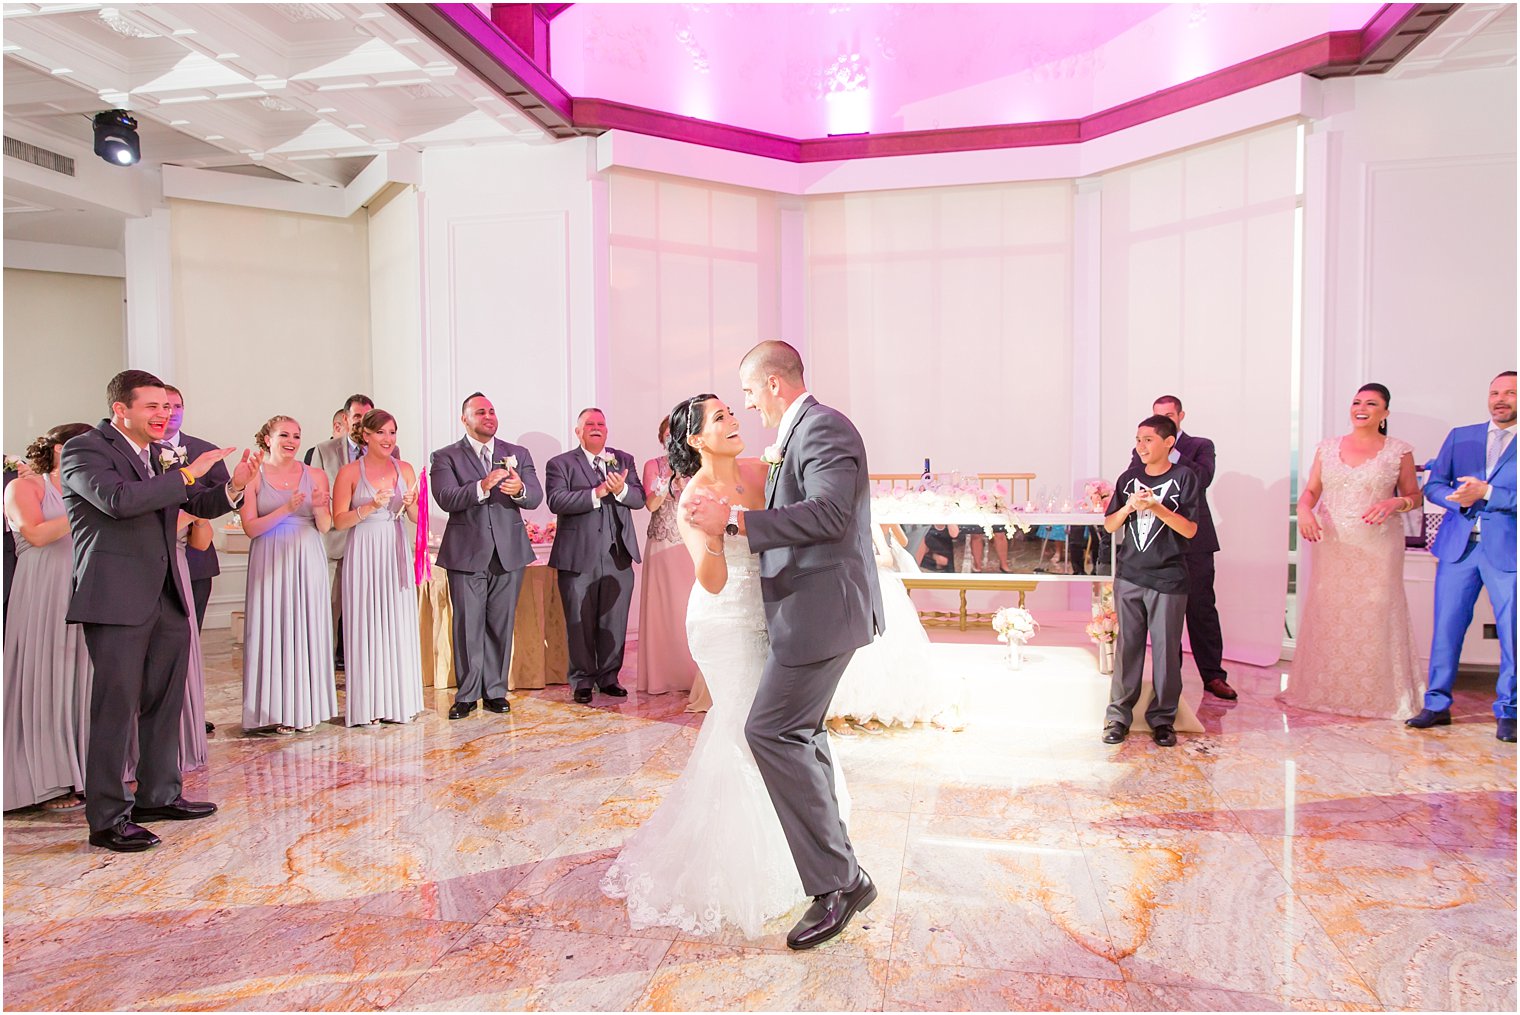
(713,853)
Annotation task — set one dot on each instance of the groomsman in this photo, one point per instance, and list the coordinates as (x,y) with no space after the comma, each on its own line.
(123,496)
(1204,635)
(594,491)
(330,456)
(1473,479)
(484,484)
(339,428)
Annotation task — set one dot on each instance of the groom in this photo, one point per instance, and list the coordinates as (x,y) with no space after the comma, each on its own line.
(822,602)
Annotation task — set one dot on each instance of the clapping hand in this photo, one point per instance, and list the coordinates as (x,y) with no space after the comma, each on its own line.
(511,484)
(247,468)
(384,491)
(1470,492)
(206,459)
(616,481)
(706,514)
(495,478)
(1142,499)
(296,500)
(320,498)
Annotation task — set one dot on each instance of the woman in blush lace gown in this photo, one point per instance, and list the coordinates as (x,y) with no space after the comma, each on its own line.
(664,660)
(713,855)
(1355,645)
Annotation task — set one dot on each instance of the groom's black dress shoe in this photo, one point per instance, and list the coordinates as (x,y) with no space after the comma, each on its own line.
(460,709)
(582,696)
(1115,732)
(498,705)
(178,809)
(830,913)
(1506,731)
(616,690)
(1164,735)
(1428,718)
(124,837)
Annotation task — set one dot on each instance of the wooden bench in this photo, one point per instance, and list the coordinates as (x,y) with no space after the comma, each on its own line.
(1023,584)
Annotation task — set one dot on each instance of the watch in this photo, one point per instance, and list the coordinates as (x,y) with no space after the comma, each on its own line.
(732,528)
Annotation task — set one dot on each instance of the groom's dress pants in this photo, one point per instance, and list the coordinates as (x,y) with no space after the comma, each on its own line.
(1457,585)
(138,689)
(786,735)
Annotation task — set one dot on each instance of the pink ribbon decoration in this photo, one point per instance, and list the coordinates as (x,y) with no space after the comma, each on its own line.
(422,565)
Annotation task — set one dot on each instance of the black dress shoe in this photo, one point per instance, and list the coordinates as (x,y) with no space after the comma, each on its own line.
(178,809)
(498,705)
(616,690)
(830,913)
(582,696)
(1164,735)
(1220,688)
(460,709)
(1115,732)
(210,726)
(1428,718)
(1506,731)
(124,837)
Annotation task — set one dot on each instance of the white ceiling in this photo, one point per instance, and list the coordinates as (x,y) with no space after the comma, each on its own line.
(306,92)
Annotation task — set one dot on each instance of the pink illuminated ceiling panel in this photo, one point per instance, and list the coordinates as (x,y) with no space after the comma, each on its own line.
(810,70)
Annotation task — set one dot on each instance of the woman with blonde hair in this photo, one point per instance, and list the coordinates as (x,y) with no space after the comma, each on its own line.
(288,682)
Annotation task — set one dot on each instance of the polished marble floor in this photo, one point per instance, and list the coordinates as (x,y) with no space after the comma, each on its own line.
(1281,861)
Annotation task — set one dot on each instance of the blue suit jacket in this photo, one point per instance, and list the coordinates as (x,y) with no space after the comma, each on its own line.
(1463,454)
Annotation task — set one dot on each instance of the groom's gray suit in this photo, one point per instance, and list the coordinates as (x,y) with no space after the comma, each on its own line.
(822,602)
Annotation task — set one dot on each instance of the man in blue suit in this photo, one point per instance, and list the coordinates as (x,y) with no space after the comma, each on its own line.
(1473,478)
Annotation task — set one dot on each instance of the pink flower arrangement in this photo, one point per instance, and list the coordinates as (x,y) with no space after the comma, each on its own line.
(539,534)
(1104,626)
(1013,624)
(1096,493)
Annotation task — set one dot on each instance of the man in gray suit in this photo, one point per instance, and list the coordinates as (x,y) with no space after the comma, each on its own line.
(822,602)
(594,490)
(330,456)
(123,494)
(484,484)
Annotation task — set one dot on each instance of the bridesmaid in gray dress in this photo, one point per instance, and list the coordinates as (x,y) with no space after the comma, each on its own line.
(194,532)
(288,682)
(47,666)
(380,637)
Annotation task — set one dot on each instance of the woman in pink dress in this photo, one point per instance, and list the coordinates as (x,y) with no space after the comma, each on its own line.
(664,661)
(1355,645)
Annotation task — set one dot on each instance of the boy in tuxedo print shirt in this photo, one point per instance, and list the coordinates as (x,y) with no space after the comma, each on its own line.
(1156,504)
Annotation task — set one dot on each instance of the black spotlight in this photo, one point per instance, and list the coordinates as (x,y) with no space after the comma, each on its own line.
(116,137)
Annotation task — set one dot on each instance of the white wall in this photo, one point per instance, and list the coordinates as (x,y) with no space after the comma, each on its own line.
(65,337)
(395,315)
(271,315)
(1197,301)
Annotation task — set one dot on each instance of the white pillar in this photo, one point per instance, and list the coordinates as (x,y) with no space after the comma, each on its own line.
(150,295)
(1086,341)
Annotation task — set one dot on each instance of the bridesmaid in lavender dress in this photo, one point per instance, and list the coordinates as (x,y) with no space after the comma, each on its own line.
(380,635)
(47,666)
(193,751)
(288,682)
(1355,645)
(664,660)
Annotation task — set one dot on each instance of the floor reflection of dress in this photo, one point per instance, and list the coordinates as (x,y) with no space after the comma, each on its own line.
(713,854)
(893,680)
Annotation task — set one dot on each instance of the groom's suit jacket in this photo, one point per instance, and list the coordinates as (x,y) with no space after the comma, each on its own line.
(124,527)
(477,527)
(817,571)
(1465,453)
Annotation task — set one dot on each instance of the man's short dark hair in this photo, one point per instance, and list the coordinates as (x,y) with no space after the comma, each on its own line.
(1507,373)
(171,389)
(465,405)
(121,388)
(1163,425)
(348,406)
(1165,399)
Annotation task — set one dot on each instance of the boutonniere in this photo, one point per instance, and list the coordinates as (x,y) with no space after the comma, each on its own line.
(509,462)
(171,458)
(772,456)
(608,459)
(12,464)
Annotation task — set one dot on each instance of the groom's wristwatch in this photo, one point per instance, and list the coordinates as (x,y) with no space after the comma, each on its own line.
(732,528)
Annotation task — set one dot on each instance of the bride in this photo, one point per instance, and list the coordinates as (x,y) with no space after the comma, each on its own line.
(713,854)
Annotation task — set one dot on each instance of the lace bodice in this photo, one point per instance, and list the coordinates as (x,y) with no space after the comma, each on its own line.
(662,523)
(1348,491)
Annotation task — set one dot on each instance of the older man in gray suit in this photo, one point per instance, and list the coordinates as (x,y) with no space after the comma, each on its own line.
(123,493)
(822,602)
(484,484)
(594,490)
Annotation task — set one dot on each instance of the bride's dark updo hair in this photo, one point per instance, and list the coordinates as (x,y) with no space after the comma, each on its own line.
(686,419)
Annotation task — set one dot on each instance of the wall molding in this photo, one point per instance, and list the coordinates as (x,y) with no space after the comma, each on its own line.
(29,255)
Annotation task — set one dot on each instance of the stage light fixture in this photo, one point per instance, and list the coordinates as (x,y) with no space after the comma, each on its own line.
(116,138)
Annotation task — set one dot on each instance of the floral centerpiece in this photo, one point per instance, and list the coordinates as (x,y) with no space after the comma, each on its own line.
(938,500)
(1095,495)
(540,534)
(1014,626)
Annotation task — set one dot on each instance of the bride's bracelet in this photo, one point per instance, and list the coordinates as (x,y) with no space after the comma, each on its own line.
(716,553)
